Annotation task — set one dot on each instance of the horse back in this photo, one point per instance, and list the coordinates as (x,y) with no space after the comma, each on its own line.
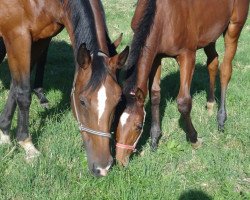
(193,24)
(40,18)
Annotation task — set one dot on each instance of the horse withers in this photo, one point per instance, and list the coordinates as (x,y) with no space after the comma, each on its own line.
(176,29)
(95,90)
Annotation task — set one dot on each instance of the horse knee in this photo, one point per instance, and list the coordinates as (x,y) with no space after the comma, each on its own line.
(184,105)
(213,65)
(23,98)
(155,97)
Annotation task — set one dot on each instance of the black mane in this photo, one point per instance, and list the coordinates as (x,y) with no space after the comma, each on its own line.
(138,42)
(84,31)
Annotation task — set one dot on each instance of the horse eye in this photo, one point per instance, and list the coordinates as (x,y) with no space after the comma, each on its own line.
(139,126)
(83,101)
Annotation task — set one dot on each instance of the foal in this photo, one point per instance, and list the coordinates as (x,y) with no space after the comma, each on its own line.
(176,29)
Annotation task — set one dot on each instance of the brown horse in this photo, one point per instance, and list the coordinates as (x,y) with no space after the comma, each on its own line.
(26,28)
(176,29)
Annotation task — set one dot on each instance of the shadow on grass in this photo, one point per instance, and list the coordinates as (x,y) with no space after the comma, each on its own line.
(169,90)
(194,195)
(59,72)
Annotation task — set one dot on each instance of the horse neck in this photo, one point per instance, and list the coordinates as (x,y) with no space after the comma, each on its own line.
(143,43)
(79,24)
(100,25)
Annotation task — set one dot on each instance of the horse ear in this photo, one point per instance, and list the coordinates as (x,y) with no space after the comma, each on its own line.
(83,56)
(122,57)
(118,41)
(140,96)
(118,61)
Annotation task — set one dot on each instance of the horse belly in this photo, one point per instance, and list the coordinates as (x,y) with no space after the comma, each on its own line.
(212,20)
(211,35)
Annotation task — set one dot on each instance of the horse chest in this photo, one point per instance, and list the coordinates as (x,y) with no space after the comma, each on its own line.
(47,31)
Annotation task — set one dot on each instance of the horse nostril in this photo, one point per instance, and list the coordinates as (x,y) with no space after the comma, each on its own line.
(99,172)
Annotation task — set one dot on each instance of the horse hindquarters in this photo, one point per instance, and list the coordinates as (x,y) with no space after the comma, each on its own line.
(232,35)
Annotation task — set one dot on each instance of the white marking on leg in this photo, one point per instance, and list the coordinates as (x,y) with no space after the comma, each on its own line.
(30,149)
(124,118)
(210,107)
(101,98)
(4,139)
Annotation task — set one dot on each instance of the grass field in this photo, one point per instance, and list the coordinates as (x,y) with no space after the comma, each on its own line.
(218,170)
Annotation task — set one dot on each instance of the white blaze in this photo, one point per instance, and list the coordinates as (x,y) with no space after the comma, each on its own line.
(124,118)
(101,98)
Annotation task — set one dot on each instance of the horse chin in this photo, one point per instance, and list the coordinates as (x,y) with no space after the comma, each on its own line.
(122,158)
(99,167)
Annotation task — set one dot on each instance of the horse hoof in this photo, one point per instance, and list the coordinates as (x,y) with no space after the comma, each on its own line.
(210,107)
(31,156)
(42,98)
(221,128)
(4,139)
(154,145)
(198,144)
(31,152)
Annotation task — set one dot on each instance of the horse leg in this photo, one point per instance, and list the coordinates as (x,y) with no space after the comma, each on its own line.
(38,85)
(231,40)
(2,50)
(9,109)
(155,96)
(212,65)
(6,117)
(184,100)
(19,64)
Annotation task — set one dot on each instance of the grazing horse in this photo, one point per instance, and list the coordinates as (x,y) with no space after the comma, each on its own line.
(40,66)
(176,29)
(26,28)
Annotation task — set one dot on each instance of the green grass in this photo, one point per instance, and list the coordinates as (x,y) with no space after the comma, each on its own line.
(219,170)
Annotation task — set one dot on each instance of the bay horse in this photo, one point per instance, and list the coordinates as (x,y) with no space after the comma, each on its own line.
(26,28)
(40,67)
(176,29)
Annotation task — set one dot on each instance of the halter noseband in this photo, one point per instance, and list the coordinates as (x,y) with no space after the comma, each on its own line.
(129,147)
